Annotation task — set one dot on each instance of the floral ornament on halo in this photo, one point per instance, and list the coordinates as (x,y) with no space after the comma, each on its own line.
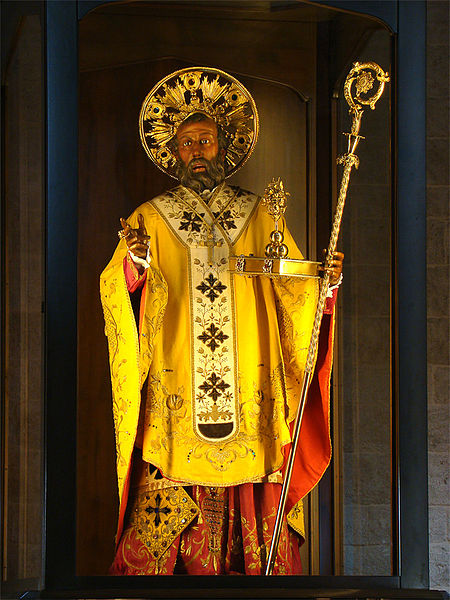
(198,90)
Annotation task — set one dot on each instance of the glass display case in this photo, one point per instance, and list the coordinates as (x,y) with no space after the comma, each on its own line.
(101,59)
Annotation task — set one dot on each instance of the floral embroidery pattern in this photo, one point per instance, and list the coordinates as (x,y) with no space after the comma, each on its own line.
(214,386)
(216,395)
(211,287)
(191,221)
(213,337)
(114,296)
(225,220)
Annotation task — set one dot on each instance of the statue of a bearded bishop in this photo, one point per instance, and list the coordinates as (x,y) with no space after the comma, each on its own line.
(206,375)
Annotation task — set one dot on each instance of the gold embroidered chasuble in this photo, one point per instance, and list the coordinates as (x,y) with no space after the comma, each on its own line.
(218,359)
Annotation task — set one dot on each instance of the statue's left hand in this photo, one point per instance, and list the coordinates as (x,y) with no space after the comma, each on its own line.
(336,267)
(137,240)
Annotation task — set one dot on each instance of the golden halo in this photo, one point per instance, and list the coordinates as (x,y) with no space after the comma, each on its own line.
(198,89)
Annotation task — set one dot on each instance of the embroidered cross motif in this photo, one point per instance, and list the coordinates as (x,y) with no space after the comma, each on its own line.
(158,510)
(213,337)
(214,386)
(190,221)
(179,510)
(211,287)
(225,220)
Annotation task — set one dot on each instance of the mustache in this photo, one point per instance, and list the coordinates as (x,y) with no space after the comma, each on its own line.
(208,179)
(197,162)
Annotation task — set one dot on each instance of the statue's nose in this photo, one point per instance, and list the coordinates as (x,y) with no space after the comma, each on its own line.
(196,150)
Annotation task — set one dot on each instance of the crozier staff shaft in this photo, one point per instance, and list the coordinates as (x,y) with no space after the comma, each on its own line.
(361,76)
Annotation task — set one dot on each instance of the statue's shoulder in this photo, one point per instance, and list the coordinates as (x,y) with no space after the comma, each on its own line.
(171,195)
(146,209)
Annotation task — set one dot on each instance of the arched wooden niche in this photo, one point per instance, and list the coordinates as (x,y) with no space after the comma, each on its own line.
(293,57)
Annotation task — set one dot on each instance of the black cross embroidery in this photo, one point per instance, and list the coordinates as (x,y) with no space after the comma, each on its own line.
(213,337)
(214,386)
(225,220)
(158,510)
(211,287)
(191,221)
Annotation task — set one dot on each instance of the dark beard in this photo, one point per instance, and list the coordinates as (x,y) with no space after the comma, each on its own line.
(205,180)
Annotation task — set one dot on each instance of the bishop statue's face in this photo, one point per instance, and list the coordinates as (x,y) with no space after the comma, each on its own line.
(200,162)
(197,140)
